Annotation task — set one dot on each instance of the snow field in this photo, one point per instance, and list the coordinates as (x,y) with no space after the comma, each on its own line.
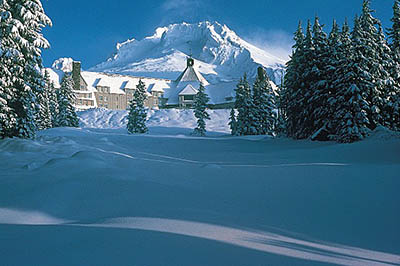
(98,196)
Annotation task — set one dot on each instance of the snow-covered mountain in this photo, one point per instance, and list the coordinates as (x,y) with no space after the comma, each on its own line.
(221,55)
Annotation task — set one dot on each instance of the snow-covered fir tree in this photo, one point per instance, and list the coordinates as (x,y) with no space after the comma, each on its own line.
(306,122)
(394,70)
(334,42)
(233,122)
(264,107)
(387,84)
(27,70)
(281,121)
(137,111)
(66,116)
(44,118)
(8,56)
(351,121)
(52,96)
(319,90)
(200,112)
(371,78)
(293,89)
(244,105)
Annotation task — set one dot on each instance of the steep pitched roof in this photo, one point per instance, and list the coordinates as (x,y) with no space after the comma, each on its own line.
(188,90)
(191,74)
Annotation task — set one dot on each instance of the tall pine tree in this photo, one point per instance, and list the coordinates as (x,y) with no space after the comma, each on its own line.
(137,111)
(52,96)
(66,116)
(200,106)
(28,82)
(306,122)
(293,89)
(319,89)
(44,119)
(394,70)
(8,55)
(244,105)
(233,122)
(371,77)
(264,106)
(333,63)
(350,120)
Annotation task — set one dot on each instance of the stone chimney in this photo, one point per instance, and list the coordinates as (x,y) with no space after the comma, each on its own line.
(76,75)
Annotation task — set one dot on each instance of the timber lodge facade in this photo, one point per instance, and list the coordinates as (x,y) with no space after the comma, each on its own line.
(114,91)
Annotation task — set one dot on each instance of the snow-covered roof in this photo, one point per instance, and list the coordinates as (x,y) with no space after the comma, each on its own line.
(191,74)
(119,83)
(129,84)
(188,90)
(218,93)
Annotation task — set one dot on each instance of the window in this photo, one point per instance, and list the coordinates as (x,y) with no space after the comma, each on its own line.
(105,98)
(188,97)
(101,98)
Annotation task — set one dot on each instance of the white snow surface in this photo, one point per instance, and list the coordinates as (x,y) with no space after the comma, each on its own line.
(169,118)
(220,54)
(96,195)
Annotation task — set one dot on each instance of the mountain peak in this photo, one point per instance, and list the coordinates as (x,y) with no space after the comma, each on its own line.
(219,52)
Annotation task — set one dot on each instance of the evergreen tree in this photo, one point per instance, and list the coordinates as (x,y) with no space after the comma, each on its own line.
(8,55)
(244,105)
(394,31)
(319,90)
(281,121)
(394,69)
(233,122)
(387,85)
(293,89)
(44,120)
(264,107)
(137,111)
(66,116)
(52,96)
(371,77)
(351,121)
(306,123)
(333,63)
(28,79)
(200,106)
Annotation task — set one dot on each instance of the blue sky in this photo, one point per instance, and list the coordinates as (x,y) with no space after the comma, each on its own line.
(88,30)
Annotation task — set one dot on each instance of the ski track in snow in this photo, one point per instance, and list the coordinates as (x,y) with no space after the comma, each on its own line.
(222,164)
(256,240)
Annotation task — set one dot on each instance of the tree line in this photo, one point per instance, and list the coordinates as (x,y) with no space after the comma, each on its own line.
(343,85)
(339,86)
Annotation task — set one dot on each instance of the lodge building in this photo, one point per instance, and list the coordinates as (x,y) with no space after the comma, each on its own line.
(114,91)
